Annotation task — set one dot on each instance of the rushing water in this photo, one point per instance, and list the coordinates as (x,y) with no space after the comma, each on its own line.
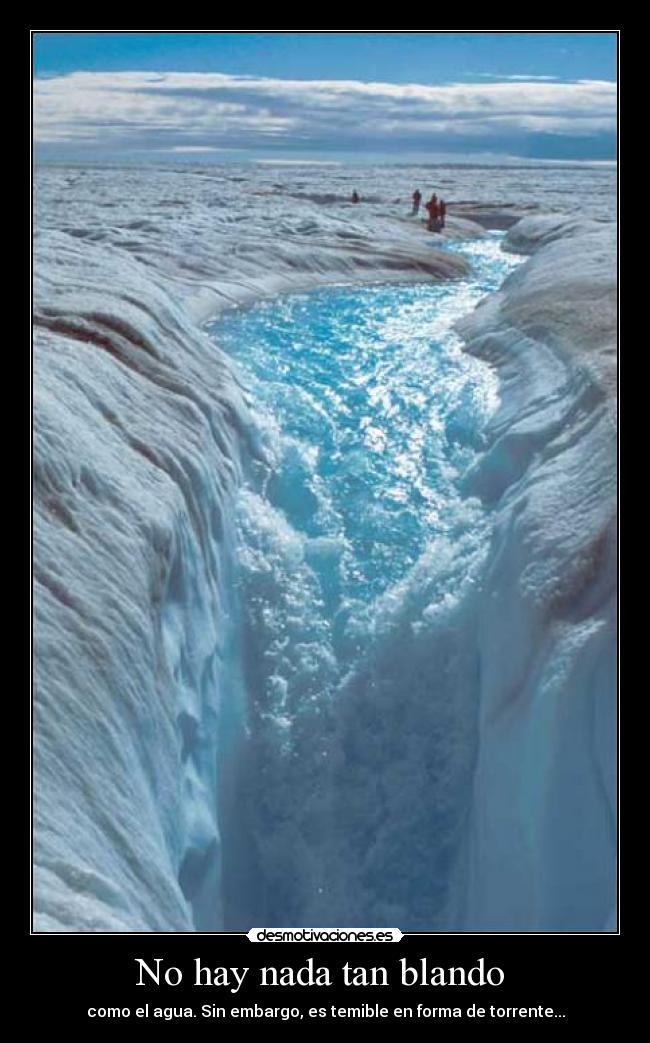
(358,555)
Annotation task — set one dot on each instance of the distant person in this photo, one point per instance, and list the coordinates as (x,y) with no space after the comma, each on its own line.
(442,210)
(417,199)
(355,197)
(433,212)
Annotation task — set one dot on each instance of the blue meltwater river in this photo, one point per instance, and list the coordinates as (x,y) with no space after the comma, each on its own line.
(358,558)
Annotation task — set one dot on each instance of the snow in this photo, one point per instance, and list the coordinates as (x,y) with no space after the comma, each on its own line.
(140,429)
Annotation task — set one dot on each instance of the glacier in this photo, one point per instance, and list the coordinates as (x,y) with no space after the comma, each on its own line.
(142,433)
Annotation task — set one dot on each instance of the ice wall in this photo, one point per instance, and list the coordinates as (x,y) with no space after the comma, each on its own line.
(137,426)
(541,850)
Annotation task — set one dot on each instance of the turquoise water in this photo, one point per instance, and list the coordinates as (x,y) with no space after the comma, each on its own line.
(369,413)
(359,556)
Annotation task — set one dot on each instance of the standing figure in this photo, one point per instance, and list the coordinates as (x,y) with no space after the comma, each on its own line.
(432,209)
(417,199)
(355,196)
(442,208)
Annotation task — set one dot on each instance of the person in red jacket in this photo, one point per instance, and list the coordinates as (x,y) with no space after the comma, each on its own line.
(433,211)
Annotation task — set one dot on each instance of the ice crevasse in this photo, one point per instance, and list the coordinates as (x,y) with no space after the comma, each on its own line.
(140,427)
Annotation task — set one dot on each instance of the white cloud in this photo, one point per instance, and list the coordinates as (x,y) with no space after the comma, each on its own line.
(299,162)
(196,148)
(188,111)
(514,76)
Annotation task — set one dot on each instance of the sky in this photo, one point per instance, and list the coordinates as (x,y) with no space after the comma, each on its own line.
(154,97)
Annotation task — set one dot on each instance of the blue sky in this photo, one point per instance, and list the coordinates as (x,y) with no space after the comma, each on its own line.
(152,96)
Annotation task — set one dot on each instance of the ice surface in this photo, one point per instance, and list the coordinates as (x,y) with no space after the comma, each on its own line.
(542,844)
(140,710)
(136,455)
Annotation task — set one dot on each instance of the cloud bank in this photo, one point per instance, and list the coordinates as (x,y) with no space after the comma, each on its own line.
(123,112)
